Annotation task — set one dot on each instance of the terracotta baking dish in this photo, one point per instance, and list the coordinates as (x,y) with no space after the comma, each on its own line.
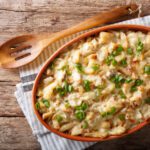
(85,35)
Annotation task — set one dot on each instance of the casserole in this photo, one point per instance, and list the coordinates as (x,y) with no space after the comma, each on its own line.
(106,32)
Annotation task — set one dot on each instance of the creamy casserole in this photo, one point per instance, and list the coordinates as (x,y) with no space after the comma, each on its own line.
(99,87)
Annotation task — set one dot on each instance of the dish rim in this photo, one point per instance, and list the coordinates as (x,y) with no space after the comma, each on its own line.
(61,49)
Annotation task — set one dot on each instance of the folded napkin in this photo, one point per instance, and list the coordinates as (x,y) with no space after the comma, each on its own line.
(28,73)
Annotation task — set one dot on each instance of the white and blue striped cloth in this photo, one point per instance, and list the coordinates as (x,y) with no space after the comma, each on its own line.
(48,140)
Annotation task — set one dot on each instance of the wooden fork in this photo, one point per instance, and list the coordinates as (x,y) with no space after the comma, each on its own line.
(24,49)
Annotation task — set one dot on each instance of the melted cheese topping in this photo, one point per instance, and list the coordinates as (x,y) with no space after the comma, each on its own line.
(99,87)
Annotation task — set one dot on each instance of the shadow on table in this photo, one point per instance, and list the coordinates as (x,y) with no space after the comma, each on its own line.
(139,140)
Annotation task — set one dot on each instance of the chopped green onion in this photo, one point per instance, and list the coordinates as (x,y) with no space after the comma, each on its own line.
(46,102)
(80,115)
(58,89)
(37,105)
(83,106)
(104,114)
(95,67)
(70,88)
(78,108)
(67,105)
(122,117)
(147,70)
(133,88)
(137,83)
(79,67)
(63,67)
(122,95)
(59,118)
(120,48)
(129,51)
(114,53)
(86,85)
(140,46)
(114,62)
(117,51)
(128,80)
(66,68)
(109,59)
(112,111)
(147,100)
(118,80)
(67,87)
(121,79)
(80,111)
(68,72)
(61,91)
(123,62)
(85,124)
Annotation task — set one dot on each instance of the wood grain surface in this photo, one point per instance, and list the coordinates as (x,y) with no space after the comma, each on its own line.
(37,16)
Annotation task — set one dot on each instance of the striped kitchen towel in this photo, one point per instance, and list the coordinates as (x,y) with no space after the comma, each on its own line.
(28,73)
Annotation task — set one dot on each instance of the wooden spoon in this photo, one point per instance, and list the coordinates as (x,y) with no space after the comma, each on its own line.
(24,49)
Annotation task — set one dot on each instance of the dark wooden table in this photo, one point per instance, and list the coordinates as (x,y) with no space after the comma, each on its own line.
(37,16)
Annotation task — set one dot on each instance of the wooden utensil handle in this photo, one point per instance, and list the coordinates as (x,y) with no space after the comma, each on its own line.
(99,19)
